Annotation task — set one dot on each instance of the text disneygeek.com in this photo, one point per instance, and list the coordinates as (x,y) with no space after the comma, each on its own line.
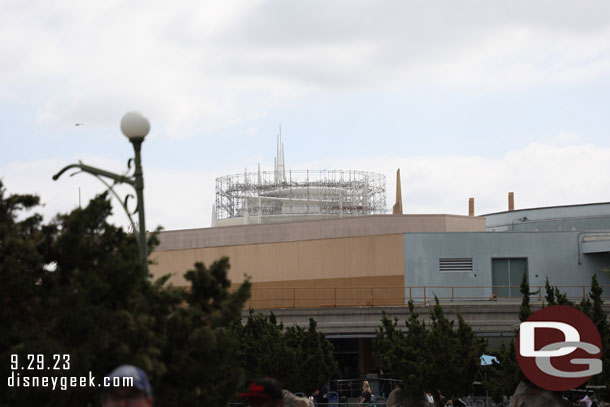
(16,380)
(24,369)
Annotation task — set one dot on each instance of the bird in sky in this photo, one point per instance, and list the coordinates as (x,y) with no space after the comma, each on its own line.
(79,124)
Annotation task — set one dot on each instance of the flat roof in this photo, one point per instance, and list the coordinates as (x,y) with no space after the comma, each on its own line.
(547,207)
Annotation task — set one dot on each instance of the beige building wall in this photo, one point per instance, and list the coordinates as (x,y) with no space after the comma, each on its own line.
(323,272)
(337,262)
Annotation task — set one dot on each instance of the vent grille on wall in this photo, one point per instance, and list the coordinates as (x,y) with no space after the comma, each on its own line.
(448,265)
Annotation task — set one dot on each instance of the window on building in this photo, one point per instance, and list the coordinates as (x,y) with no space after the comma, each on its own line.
(506,275)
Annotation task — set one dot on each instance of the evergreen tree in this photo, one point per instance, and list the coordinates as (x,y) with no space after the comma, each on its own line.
(433,358)
(443,353)
(76,287)
(550,293)
(198,346)
(80,283)
(525,310)
(600,319)
(503,377)
(301,359)
(598,315)
(261,347)
(454,354)
(468,355)
(562,298)
(405,354)
(554,296)
(24,248)
(585,306)
(313,363)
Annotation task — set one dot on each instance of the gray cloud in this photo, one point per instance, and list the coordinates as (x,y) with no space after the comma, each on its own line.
(203,62)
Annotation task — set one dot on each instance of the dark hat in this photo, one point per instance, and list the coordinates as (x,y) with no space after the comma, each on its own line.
(267,388)
(140,380)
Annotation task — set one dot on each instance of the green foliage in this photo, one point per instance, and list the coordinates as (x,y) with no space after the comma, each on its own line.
(437,357)
(404,354)
(313,362)
(562,298)
(554,296)
(550,293)
(262,350)
(600,319)
(524,288)
(198,344)
(592,306)
(469,351)
(81,305)
(301,359)
(76,287)
(503,378)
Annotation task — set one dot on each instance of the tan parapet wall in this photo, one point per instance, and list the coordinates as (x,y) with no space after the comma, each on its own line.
(329,293)
(316,230)
(324,265)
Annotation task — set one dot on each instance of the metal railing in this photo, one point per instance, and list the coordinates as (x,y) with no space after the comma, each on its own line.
(335,297)
(352,388)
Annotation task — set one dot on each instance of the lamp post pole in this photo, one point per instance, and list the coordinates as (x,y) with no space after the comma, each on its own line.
(135,127)
(139,187)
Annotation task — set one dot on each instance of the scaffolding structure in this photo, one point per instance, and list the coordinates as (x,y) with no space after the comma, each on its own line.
(275,196)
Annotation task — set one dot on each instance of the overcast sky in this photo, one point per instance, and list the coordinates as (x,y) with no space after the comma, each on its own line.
(468,99)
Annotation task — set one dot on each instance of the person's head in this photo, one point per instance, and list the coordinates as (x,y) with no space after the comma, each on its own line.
(264,392)
(127,386)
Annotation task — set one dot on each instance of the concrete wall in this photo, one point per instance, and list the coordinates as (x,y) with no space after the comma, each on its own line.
(352,322)
(553,254)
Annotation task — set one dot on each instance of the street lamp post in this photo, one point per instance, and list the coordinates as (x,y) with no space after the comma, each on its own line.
(135,127)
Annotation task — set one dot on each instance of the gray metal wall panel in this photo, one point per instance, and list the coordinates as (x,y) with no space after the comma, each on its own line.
(553,254)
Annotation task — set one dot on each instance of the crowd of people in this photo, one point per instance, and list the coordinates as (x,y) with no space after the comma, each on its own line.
(267,392)
(588,400)
(264,392)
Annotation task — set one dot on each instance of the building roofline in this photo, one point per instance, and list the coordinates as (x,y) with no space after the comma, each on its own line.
(346,227)
(547,207)
(330,219)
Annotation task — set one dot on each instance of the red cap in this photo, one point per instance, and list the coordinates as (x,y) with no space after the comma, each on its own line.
(267,388)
